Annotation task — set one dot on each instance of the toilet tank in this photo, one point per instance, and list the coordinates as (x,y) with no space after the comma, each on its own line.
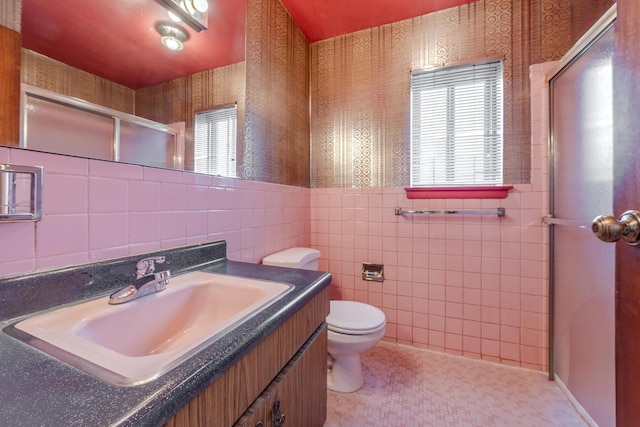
(304,258)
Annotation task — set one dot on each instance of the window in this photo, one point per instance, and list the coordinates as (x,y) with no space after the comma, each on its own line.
(456,126)
(215,141)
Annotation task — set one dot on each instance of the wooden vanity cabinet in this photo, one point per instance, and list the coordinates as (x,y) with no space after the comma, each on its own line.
(289,365)
(10,42)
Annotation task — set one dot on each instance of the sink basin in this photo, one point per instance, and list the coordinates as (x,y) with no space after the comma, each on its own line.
(136,342)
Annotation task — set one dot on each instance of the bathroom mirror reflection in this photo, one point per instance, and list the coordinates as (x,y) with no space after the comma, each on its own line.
(121,63)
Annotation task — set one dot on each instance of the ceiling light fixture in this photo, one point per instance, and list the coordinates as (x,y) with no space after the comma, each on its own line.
(172,36)
(192,12)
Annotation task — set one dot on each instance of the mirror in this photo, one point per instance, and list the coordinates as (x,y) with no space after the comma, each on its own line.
(126,54)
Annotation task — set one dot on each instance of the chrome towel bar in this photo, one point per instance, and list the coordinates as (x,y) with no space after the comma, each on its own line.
(550,220)
(400,211)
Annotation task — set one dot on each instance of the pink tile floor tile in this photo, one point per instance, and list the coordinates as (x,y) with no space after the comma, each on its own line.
(405,386)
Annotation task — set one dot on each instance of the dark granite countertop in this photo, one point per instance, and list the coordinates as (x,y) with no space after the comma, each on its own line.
(39,390)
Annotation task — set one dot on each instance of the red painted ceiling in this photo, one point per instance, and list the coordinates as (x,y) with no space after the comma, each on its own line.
(118,40)
(323,19)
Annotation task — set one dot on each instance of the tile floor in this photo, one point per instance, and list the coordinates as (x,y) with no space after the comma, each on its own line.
(406,386)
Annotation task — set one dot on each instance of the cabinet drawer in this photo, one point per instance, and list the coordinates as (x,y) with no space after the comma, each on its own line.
(300,389)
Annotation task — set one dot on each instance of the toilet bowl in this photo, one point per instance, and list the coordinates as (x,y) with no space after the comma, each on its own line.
(353,327)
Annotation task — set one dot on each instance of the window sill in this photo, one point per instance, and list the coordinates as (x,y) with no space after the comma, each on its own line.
(487,192)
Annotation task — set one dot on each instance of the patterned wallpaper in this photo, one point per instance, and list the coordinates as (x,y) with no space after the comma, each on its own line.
(179,100)
(276,140)
(357,135)
(10,14)
(360,83)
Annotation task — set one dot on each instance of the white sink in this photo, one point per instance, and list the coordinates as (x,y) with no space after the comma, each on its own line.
(135,342)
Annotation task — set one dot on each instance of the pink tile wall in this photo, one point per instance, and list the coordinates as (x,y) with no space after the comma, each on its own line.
(96,210)
(470,285)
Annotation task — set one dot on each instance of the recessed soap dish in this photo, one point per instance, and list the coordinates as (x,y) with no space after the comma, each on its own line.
(20,193)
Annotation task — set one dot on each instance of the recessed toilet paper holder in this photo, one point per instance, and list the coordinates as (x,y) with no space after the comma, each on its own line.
(373,272)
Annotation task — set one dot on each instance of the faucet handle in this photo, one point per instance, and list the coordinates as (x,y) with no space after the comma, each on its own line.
(148,265)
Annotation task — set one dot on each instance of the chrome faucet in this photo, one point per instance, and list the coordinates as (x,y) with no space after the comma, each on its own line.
(147,281)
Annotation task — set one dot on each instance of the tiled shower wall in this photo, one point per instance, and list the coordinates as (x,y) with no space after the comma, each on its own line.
(464,284)
(96,210)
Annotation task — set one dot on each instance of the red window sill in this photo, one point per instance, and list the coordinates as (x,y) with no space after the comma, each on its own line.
(488,192)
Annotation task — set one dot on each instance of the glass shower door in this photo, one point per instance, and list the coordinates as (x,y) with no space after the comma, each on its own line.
(582,267)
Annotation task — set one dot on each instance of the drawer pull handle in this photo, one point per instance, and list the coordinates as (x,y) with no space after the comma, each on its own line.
(277,417)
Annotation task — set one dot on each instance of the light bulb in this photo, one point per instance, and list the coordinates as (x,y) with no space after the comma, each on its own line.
(200,5)
(171,43)
(188,6)
(172,36)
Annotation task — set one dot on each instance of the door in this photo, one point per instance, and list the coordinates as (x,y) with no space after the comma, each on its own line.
(626,196)
(626,121)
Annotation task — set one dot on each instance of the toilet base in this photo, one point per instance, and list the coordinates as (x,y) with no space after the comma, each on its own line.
(344,374)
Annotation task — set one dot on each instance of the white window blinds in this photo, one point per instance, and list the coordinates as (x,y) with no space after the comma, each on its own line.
(456,126)
(215,141)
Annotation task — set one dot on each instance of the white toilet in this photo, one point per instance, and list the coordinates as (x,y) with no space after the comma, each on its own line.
(354,327)
(304,258)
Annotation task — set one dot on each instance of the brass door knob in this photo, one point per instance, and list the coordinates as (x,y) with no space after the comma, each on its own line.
(610,229)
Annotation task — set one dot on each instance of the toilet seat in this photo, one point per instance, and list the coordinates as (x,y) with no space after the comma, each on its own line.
(355,318)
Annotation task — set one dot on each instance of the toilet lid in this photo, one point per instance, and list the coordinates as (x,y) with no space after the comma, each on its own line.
(351,317)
